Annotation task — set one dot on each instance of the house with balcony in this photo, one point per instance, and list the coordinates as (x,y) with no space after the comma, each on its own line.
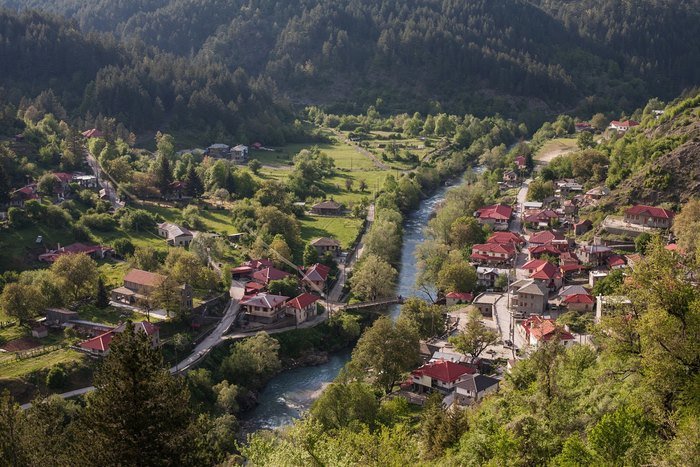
(496,216)
(325,245)
(139,285)
(440,376)
(239,154)
(649,216)
(303,307)
(491,254)
(264,307)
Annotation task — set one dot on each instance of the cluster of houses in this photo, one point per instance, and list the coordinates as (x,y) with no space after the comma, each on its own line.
(449,373)
(98,336)
(62,188)
(252,279)
(553,259)
(238,154)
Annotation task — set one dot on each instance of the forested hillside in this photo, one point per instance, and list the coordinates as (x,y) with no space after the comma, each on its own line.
(515,56)
(49,64)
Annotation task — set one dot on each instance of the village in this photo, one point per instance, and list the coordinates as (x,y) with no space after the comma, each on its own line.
(541,261)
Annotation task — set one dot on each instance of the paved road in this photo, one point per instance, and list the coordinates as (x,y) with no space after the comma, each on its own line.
(503,319)
(103,180)
(213,339)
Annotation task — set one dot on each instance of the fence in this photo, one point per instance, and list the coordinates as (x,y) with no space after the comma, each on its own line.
(24,354)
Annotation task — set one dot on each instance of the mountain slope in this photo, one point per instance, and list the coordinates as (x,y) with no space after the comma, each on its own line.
(141,87)
(480,56)
(673,176)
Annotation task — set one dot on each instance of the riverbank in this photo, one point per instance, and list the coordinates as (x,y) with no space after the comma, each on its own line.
(290,393)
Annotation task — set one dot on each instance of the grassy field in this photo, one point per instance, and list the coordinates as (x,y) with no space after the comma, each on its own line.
(343,229)
(553,148)
(344,155)
(12,368)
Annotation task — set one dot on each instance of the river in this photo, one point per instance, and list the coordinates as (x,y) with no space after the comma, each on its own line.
(292,392)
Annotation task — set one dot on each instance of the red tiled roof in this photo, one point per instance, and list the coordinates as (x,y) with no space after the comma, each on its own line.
(443,370)
(507,248)
(253,286)
(63,177)
(100,342)
(258,263)
(520,160)
(505,237)
(75,248)
(546,248)
(652,211)
(466,296)
(578,298)
(572,267)
(137,276)
(533,264)
(545,329)
(545,236)
(269,274)
(302,301)
(541,216)
(616,260)
(546,271)
(496,211)
(317,273)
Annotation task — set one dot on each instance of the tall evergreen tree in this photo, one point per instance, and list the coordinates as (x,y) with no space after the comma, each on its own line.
(163,175)
(195,187)
(4,185)
(101,296)
(139,414)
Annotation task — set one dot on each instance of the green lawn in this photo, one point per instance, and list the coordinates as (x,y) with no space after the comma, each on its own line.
(12,368)
(112,272)
(344,229)
(344,155)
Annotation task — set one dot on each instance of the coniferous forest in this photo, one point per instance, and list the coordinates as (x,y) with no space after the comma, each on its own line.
(525,59)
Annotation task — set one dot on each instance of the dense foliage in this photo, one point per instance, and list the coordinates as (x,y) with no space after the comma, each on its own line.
(562,53)
(55,68)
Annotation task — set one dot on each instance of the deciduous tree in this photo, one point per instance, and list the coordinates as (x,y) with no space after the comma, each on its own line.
(475,337)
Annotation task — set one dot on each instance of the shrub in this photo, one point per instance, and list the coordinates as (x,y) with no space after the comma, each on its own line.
(137,220)
(101,222)
(56,378)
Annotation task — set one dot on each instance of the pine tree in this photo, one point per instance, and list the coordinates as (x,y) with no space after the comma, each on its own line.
(101,296)
(139,414)
(194,185)
(4,185)
(163,175)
